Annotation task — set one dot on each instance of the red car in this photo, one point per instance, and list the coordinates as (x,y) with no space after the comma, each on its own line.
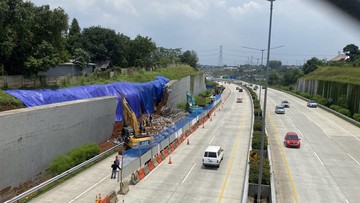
(292,140)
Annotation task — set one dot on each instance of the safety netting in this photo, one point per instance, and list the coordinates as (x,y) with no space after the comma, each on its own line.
(140,96)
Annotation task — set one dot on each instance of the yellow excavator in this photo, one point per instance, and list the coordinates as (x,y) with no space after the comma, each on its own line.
(131,134)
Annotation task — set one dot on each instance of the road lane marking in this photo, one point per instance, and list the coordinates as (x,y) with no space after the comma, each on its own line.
(90,188)
(319,159)
(231,162)
(212,139)
(354,159)
(286,163)
(339,126)
(188,173)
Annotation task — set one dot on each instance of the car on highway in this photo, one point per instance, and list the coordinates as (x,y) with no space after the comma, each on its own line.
(239,100)
(285,104)
(213,155)
(240,90)
(279,109)
(292,140)
(312,104)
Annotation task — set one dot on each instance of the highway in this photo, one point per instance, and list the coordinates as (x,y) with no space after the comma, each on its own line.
(185,180)
(327,166)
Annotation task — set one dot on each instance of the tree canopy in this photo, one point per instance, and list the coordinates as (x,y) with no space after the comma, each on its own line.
(34,39)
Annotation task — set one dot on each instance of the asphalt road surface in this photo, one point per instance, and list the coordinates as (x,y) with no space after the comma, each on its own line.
(185,180)
(327,166)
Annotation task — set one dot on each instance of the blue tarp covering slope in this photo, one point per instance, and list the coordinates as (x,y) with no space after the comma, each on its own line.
(140,96)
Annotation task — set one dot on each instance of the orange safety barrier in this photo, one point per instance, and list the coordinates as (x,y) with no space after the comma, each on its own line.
(181,138)
(141,173)
(172,147)
(151,165)
(187,133)
(166,152)
(106,199)
(159,159)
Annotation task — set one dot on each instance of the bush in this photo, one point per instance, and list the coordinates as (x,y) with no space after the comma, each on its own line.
(73,158)
(356,116)
(257,112)
(306,95)
(254,172)
(320,99)
(341,110)
(256,140)
(257,125)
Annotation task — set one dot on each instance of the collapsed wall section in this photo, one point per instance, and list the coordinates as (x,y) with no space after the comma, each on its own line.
(31,138)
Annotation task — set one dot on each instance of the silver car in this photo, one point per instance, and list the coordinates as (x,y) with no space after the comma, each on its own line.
(312,104)
(280,109)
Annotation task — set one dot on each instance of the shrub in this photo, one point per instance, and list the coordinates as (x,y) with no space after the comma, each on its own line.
(306,95)
(256,140)
(356,116)
(341,110)
(257,125)
(254,172)
(320,99)
(73,158)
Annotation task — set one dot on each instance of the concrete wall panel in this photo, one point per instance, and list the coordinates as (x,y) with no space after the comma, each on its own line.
(31,138)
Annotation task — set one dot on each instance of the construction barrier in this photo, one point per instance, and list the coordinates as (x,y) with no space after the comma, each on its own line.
(150,165)
(141,173)
(177,143)
(105,200)
(159,159)
(172,147)
(124,188)
(134,178)
(166,152)
(155,161)
(112,197)
(146,170)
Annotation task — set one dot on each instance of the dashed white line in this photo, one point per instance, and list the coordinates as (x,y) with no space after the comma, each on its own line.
(212,139)
(188,173)
(319,159)
(354,159)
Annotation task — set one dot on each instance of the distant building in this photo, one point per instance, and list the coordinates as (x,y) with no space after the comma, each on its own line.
(340,57)
(68,69)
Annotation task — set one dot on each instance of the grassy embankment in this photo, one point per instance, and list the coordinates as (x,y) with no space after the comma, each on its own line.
(349,75)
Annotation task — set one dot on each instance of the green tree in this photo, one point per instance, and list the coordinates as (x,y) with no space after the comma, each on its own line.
(291,76)
(274,78)
(190,58)
(104,44)
(81,58)
(140,53)
(352,51)
(74,40)
(44,58)
(275,64)
(311,65)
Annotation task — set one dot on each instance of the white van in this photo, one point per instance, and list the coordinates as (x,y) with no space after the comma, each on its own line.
(213,156)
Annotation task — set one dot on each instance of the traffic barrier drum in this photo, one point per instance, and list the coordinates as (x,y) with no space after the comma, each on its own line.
(141,173)
(150,165)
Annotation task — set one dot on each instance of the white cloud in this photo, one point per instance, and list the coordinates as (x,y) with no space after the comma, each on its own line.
(244,9)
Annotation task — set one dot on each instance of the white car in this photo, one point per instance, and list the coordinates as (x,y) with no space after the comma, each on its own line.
(213,155)
(312,104)
(280,109)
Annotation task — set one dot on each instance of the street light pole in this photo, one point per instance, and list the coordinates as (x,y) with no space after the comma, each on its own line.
(264,113)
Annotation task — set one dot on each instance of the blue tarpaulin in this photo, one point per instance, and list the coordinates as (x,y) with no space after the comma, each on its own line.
(140,96)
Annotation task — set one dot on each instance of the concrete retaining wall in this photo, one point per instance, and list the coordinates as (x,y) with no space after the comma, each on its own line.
(193,84)
(31,138)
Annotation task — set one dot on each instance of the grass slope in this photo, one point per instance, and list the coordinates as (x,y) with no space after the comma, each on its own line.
(349,75)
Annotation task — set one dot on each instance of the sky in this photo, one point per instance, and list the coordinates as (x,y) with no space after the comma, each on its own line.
(301,29)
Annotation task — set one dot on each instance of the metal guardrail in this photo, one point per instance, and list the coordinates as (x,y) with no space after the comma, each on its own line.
(52,180)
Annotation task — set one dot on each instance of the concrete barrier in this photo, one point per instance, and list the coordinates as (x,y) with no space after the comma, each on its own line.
(112,197)
(124,187)
(134,178)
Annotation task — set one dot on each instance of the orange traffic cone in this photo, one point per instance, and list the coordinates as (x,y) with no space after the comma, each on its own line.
(170,162)
(99,198)
(188,142)
(203,124)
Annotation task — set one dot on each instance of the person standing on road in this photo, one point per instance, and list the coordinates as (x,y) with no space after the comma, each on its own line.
(114,167)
